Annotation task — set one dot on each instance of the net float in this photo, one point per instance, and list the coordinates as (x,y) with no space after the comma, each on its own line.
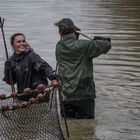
(32,100)
(47,90)
(27,91)
(14,94)
(40,86)
(2,96)
(5,108)
(15,106)
(24,104)
(40,97)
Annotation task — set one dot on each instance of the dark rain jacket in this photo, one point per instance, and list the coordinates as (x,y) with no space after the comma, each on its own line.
(28,70)
(75,66)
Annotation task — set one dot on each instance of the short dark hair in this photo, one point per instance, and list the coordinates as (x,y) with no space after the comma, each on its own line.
(12,38)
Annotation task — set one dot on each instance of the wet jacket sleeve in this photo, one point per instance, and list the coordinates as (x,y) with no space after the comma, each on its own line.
(98,46)
(40,65)
(9,76)
(47,70)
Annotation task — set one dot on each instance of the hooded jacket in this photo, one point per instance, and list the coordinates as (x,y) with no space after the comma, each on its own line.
(75,66)
(28,70)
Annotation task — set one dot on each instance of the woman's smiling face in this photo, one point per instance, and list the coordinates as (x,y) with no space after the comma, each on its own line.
(19,44)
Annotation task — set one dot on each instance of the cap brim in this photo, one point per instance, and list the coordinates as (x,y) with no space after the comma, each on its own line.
(56,24)
(78,29)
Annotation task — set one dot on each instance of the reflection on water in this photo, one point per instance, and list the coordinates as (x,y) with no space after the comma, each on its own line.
(116,74)
(80,129)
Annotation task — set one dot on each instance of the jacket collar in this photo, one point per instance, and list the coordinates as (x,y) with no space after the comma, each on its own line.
(19,57)
(68,36)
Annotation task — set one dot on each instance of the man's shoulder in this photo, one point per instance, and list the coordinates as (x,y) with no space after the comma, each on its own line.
(84,42)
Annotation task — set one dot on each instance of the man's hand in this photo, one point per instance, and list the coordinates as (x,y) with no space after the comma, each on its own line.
(54,83)
(102,38)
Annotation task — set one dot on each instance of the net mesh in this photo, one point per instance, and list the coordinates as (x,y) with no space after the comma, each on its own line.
(38,121)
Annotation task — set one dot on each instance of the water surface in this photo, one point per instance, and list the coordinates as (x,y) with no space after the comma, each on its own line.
(116,73)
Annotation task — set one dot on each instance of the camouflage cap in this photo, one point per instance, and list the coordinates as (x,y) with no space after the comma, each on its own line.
(66,25)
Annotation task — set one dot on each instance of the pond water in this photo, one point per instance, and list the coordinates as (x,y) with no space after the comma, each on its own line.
(117,74)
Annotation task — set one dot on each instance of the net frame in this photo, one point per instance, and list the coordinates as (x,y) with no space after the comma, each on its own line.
(39,121)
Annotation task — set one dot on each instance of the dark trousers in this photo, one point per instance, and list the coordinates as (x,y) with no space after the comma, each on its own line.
(78,109)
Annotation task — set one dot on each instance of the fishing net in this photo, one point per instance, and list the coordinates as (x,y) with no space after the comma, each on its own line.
(33,120)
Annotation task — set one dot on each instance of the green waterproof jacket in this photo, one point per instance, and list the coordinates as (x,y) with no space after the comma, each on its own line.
(75,66)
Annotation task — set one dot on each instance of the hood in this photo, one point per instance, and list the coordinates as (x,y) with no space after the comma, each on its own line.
(18,57)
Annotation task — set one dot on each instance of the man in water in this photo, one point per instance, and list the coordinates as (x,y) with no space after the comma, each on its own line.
(75,69)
